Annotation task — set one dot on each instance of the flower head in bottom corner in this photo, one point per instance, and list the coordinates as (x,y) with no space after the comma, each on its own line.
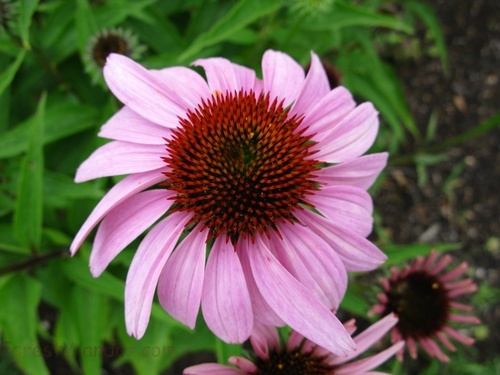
(423,296)
(303,357)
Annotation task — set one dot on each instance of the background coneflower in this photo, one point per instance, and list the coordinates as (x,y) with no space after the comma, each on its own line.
(423,296)
(112,40)
(301,356)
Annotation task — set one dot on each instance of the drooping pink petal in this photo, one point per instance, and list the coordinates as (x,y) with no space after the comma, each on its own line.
(262,312)
(360,172)
(348,206)
(225,300)
(124,223)
(143,92)
(145,269)
(181,281)
(188,85)
(356,252)
(366,364)
(128,126)
(118,158)
(283,76)
(368,337)
(243,363)
(297,306)
(225,76)
(328,112)
(124,189)
(263,339)
(351,137)
(315,87)
(212,369)
(312,261)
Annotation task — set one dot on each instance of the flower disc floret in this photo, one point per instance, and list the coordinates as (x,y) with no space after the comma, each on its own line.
(239,164)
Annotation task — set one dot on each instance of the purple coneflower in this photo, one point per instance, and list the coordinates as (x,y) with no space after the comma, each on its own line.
(238,163)
(423,297)
(301,356)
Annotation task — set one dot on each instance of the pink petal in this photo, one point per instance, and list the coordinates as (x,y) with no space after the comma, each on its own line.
(212,369)
(296,305)
(312,261)
(144,92)
(181,281)
(128,126)
(243,363)
(263,338)
(188,85)
(365,364)
(328,112)
(261,310)
(360,172)
(225,302)
(315,87)
(145,270)
(356,252)
(225,76)
(118,193)
(369,337)
(351,137)
(119,158)
(348,206)
(124,223)
(283,76)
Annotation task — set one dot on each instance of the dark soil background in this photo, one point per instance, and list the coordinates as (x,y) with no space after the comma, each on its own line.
(464,208)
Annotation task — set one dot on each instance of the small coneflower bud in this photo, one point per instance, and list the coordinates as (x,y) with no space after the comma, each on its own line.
(107,41)
(423,296)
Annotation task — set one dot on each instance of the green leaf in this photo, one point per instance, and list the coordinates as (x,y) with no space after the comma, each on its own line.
(26,10)
(20,296)
(347,15)
(242,14)
(9,243)
(78,271)
(90,315)
(353,303)
(28,215)
(426,13)
(8,74)
(85,25)
(62,120)
(398,254)
(60,189)
(224,350)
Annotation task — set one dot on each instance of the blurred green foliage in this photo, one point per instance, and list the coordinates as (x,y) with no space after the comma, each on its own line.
(50,112)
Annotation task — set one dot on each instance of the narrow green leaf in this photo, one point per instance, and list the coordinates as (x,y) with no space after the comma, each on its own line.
(356,305)
(9,243)
(8,74)
(90,315)
(242,14)
(26,10)
(224,350)
(61,121)
(29,206)
(398,254)
(20,296)
(85,25)
(426,13)
(78,271)
(347,15)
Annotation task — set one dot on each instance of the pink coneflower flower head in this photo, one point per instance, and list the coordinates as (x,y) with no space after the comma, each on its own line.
(238,163)
(423,296)
(300,356)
